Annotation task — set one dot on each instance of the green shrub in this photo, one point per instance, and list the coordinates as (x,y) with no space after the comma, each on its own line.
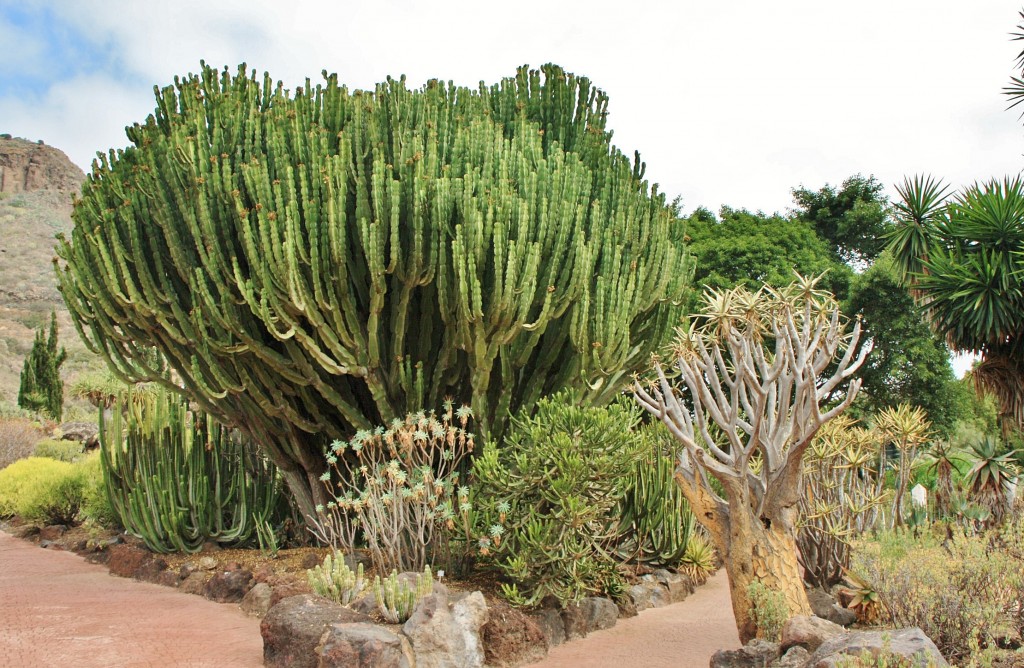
(96,504)
(61,450)
(769,611)
(18,479)
(961,590)
(42,490)
(559,477)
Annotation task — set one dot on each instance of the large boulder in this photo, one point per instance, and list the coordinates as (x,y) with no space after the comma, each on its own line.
(909,643)
(447,636)
(512,638)
(293,629)
(808,632)
(679,585)
(599,612)
(360,645)
(824,606)
(757,653)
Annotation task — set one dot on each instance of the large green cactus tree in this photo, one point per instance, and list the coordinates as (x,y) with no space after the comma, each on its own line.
(318,262)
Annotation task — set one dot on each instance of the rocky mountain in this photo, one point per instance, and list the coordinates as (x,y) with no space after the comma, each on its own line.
(37,183)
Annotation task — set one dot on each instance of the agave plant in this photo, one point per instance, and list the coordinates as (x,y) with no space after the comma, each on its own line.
(990,477)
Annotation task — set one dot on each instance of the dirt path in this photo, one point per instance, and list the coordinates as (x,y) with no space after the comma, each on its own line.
(56,609)
(684,635)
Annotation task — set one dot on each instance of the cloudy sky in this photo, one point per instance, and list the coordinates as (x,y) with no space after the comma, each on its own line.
(728,102)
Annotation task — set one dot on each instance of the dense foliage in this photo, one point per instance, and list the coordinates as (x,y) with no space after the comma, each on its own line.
(41,388)
(320,261)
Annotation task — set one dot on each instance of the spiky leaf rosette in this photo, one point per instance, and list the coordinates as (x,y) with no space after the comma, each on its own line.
(316,262)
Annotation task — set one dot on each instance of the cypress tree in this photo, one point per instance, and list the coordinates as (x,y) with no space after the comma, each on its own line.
(41,388)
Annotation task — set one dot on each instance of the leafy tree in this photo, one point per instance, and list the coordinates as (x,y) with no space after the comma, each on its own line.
(317,263)
(41,388)
(755,249)
(852,220)
(909,363)
(758,369)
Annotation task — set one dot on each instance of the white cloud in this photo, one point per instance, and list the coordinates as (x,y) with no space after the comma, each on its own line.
(730,103)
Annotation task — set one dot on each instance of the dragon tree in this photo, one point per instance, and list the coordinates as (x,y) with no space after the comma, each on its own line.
(758,375)
(318,262)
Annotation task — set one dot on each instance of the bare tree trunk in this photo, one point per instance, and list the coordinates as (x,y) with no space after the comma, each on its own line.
(761,550)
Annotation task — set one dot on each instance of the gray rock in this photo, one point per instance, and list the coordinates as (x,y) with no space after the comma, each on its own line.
(824,606)
(808,632)
(361,645)
(444,636)
(549,621)
(679,585)
(513,638)
(366,603)
(648,593)
(195,583)
(256,601)
(757,653)
(574,621)
(910,643)
(206,564)
(600,613)
(795,657)
(293,629)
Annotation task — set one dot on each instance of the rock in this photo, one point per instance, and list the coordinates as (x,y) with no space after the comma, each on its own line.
(757,653)
(600,613)
(127,560)
(293,628)
(444,636)
(911,643)
(626,607)
(256,601)
(512,638)
(310,560)
(549,621)
(824,606)
(195,583)
(808,632)
(152,570)
(50,544)
(206,564)
(361,645)
(187,569)
(288,589)
(656,595)
(366,603)
(169,578)
(211,546)
(574,621)
(795,657)
(679,585)
(24,531)
(228,586)
(86,433)
(52,532)
(26,166)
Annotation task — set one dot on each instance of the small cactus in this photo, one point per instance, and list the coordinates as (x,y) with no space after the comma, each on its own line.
(334,579)
(397,599)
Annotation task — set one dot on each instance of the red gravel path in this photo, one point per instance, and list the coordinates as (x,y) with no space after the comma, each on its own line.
(683,635)
(58,610)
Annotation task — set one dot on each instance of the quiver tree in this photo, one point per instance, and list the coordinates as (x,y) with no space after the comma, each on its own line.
(759,373)
(314,263)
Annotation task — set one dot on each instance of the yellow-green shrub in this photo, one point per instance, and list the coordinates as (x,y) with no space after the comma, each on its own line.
(962,591)
(42,490)
(61,450)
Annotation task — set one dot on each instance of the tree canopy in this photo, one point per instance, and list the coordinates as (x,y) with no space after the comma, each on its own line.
(852,220)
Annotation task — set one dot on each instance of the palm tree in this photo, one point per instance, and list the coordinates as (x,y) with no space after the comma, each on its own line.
(962,255)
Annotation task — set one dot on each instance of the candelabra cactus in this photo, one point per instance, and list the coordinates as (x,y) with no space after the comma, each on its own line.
(397,598)
(177,479)
(318,262)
